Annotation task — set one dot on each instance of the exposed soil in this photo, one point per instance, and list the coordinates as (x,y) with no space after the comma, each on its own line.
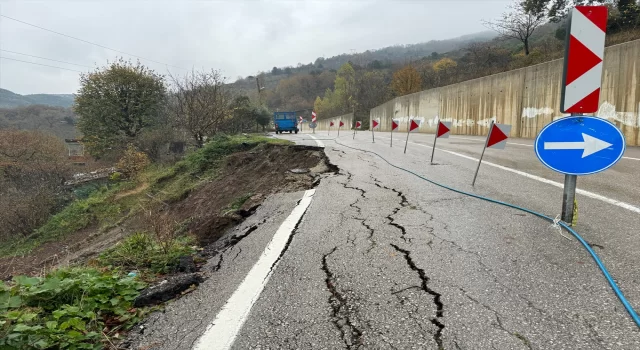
(258,173)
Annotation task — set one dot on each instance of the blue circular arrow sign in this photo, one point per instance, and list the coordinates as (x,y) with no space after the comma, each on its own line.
(579,145)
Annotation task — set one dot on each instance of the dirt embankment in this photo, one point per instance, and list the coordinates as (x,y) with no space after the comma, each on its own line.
(253,175)
(243,182)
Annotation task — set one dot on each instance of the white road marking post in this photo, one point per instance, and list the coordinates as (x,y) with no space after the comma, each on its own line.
(222,332)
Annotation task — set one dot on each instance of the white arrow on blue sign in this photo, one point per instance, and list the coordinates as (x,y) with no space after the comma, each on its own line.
(579,145)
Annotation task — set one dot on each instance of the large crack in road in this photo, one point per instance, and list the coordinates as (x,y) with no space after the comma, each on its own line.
(437,321)
(341,315)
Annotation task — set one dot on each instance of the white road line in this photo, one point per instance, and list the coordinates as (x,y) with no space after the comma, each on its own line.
(222,332)
(542,179)
(520,144)
(320,143)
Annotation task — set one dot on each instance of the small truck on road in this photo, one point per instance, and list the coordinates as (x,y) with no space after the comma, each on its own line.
(285,121)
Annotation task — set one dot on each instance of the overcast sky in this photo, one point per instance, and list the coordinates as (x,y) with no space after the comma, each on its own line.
(239,37)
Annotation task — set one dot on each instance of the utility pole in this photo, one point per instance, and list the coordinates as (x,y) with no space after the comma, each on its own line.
(259,91)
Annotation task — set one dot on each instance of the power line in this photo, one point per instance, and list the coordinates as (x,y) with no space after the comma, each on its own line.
(39,64)
(89,42)
(44,58)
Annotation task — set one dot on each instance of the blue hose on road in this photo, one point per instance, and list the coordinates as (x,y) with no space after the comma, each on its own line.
(584,243)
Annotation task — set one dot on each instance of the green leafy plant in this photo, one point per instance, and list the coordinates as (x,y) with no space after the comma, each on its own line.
(76,308)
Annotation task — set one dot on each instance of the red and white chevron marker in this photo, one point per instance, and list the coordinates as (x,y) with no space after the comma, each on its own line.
(442,131)
(583,59)
(313,117)
(340,124)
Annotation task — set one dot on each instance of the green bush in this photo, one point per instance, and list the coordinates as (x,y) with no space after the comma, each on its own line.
(219,147)
(68,309)
(142,251)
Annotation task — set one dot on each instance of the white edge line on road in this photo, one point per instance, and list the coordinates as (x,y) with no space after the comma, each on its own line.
(519,144)
(222,332)
(320,143)
(542,179)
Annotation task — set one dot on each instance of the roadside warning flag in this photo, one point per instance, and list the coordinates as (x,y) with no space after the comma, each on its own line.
(374,123)
(394,124)
(443,129)
(413,125)
(498,135)
(358,124)
(497,138)
(341,124)
(331,124)
(313,117)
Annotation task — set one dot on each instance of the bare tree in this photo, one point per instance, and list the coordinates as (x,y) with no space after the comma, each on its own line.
(200,103)
(517,23)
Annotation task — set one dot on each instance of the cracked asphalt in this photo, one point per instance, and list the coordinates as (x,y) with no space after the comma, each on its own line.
(385,260)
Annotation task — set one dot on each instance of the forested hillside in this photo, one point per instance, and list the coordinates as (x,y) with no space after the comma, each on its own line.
(58,121)
(358,82)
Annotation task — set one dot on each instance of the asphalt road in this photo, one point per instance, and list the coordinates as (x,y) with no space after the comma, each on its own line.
(382,259)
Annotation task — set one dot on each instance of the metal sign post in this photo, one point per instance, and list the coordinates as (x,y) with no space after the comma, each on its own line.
(408,131)
(371,124)
(581,79)
(394,125)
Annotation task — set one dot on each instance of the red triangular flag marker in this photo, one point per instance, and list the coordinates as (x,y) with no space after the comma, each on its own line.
(330,123)
(375,124)
(414,125)
(341,124)
(442,129)
(358,125)
(581,60)
(496,136)
(394,125)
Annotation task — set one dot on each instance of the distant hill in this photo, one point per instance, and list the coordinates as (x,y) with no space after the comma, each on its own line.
(10,99)
(375,58)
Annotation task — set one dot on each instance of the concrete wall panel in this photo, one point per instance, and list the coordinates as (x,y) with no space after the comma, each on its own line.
(527,98)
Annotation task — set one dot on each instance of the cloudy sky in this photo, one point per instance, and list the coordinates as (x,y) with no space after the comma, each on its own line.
(239,37)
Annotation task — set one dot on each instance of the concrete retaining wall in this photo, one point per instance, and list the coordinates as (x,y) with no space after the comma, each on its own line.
(526,98)
(347,119)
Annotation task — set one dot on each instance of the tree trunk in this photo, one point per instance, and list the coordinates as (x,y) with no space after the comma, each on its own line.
(526,47)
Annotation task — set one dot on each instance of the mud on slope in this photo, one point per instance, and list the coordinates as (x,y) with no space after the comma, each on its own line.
(256,174)
(207,209)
